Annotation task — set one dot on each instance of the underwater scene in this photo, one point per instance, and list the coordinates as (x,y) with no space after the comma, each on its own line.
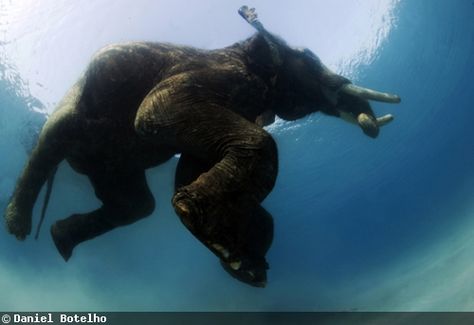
(372,215)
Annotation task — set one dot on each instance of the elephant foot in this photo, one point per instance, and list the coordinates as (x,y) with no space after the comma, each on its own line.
(237,231)
(18,220)
(206,222)
(62,241)
(253,273)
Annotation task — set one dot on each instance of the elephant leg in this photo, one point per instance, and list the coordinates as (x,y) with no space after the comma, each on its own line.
(126,198)
(219,205)
(54,141)
(255,239)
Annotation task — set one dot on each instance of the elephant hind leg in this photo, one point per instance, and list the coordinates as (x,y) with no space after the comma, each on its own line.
(55,140)
(126,198)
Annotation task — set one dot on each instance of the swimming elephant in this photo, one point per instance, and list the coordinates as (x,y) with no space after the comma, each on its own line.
(139,104)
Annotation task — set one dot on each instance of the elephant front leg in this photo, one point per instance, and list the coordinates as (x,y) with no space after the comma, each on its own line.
(244,228)
(222,207)
(219,205)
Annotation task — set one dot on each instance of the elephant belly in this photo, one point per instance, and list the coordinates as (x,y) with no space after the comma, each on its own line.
(109,154)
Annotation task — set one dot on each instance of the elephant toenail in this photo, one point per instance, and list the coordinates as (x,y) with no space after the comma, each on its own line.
(218,247)
(182,209)
(235,265)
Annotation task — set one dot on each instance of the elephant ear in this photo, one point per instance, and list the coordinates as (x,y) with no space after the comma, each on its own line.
(274,43)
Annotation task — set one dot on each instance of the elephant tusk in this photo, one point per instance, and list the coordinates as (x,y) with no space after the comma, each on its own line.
(367,93)
(384,120)
(368,124)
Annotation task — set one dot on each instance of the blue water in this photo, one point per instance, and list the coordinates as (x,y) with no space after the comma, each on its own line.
(360,224)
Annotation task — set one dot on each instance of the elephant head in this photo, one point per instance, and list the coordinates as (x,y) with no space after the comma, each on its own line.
(303,84)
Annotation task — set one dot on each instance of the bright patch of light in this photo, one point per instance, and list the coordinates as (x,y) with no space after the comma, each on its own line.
(50,42)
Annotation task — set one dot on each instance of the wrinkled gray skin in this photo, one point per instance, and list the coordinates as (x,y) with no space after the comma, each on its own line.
(139,104)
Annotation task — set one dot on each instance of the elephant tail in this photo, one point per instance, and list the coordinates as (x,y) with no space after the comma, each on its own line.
(49,188)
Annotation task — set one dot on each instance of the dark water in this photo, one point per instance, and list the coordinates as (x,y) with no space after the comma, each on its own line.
(361,224)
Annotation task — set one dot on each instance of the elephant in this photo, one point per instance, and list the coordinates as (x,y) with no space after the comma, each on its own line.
(139,104)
